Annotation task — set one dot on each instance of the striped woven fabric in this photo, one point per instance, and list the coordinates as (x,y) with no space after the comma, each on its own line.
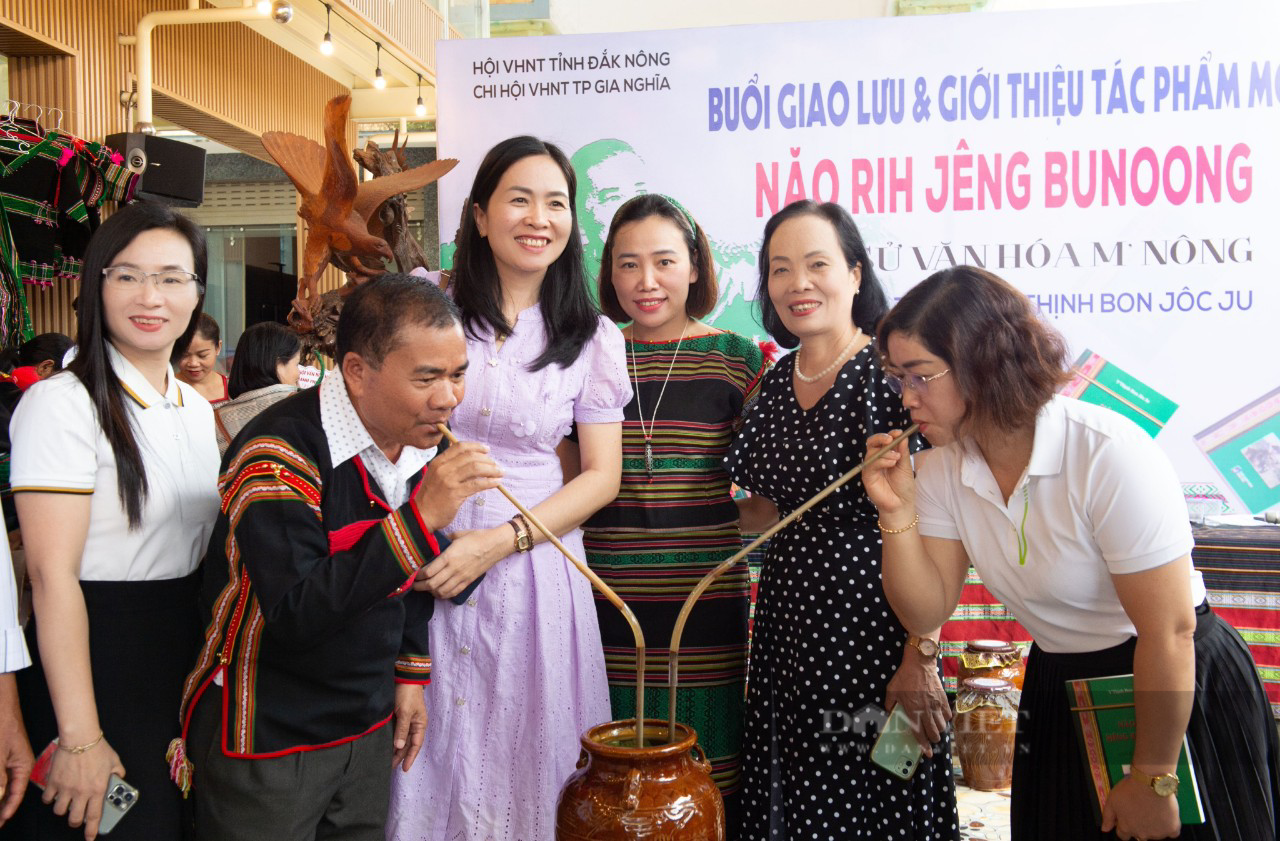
(978,616)
(1241,569)
(668,528)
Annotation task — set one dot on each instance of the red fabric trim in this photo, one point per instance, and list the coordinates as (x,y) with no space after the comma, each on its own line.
(426,682)
(431,538)
(298,749)
(404,588)
(282,474)
(350,534)
(364,477)
(675,341)
(195,699)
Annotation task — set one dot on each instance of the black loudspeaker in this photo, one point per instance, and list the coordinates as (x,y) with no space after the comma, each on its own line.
(172,171)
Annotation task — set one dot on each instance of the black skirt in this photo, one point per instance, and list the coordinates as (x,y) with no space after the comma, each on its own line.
(1234,745)
(143,640)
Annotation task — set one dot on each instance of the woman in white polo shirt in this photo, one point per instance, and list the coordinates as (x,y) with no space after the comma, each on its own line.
(1075,520)
(115,476)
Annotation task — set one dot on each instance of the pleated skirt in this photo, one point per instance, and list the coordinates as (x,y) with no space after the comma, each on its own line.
(1233,738)
(143,639)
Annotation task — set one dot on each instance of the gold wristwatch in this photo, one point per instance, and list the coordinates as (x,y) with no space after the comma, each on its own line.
(523,540)
(926,646)
(1165,785)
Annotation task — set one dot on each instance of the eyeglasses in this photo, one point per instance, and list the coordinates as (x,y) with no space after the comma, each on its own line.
(912,382)
(170,282)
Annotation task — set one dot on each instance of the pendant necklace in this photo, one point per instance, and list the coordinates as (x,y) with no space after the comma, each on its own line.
(653,418)
(834,363)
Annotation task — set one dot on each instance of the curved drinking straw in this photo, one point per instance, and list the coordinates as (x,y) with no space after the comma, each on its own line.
(673,667)
(599,585)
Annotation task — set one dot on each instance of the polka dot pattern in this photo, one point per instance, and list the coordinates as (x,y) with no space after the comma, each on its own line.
(826,642)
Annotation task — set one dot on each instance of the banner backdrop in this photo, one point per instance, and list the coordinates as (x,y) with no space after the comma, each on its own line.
(1119,165)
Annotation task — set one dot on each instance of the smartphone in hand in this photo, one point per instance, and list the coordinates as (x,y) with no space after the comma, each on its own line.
(119,799)
(896,749)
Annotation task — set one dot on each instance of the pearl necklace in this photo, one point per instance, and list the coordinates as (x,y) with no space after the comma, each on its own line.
(831,367)
(635,376)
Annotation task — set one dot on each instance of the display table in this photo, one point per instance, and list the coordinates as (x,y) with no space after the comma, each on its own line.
(1241,569)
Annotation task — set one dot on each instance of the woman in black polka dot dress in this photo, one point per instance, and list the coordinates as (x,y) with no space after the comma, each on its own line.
(828,656)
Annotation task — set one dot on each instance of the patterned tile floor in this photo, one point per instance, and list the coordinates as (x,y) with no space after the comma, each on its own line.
(984,815)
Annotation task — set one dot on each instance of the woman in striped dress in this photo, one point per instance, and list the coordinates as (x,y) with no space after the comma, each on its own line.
(674,518)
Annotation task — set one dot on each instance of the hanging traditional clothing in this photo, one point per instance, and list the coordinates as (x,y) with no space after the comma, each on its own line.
(51,185)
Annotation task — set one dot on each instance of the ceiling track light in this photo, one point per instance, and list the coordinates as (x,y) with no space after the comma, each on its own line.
(326,46)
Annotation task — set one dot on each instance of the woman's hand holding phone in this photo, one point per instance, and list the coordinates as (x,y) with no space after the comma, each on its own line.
(75,783)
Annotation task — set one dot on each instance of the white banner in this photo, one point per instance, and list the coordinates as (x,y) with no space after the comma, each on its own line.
(1120,165)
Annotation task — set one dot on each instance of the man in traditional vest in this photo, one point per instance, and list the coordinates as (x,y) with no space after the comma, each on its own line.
(310,679)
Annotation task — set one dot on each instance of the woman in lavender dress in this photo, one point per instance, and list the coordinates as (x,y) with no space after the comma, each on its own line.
(518,669)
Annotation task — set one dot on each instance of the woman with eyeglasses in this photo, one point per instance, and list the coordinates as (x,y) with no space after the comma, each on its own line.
(1075,520)
(115,475)
(828,657)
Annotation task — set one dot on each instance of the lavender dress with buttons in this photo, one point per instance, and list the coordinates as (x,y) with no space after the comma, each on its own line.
(518,670)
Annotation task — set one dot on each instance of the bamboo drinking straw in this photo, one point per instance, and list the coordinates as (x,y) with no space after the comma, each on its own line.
(673,667)
(599,585)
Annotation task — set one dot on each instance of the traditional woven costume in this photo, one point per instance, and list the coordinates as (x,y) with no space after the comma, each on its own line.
(673,522)
(311,621)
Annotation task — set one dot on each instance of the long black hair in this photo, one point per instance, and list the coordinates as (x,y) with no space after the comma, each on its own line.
(92,365)
(568,313)
(47,346)
(869,305)
(261,348)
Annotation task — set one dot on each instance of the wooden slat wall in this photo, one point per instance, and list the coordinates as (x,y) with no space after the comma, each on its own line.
(413,26)
(227,81)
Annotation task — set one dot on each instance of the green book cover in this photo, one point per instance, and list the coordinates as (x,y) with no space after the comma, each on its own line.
(1106,726)
(1245,448)
(1095,380)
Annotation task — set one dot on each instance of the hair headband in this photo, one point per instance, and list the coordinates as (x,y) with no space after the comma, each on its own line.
(693,226)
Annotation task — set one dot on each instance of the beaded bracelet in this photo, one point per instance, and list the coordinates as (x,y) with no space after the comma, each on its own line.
(80,748)
(909,527)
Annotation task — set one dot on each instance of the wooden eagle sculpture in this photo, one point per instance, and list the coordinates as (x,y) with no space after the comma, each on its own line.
(391,220)
(338,207)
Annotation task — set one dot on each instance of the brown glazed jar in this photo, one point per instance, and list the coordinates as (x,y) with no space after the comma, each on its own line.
(663,790)
(991,658)
(986,724)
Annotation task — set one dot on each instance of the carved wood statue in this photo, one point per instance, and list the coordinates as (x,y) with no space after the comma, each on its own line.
(338,208)
(391,220)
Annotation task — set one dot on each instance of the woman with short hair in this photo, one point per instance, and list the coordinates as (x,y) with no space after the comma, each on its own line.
(1075,519)
(674,519)
(263,372)
(828,657)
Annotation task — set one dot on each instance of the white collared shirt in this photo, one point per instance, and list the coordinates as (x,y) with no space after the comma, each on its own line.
(348,438)
(59,447)
(1098,497)
(13,646)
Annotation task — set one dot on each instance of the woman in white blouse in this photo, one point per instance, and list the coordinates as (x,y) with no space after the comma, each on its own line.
(1075,520)
(115,475)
